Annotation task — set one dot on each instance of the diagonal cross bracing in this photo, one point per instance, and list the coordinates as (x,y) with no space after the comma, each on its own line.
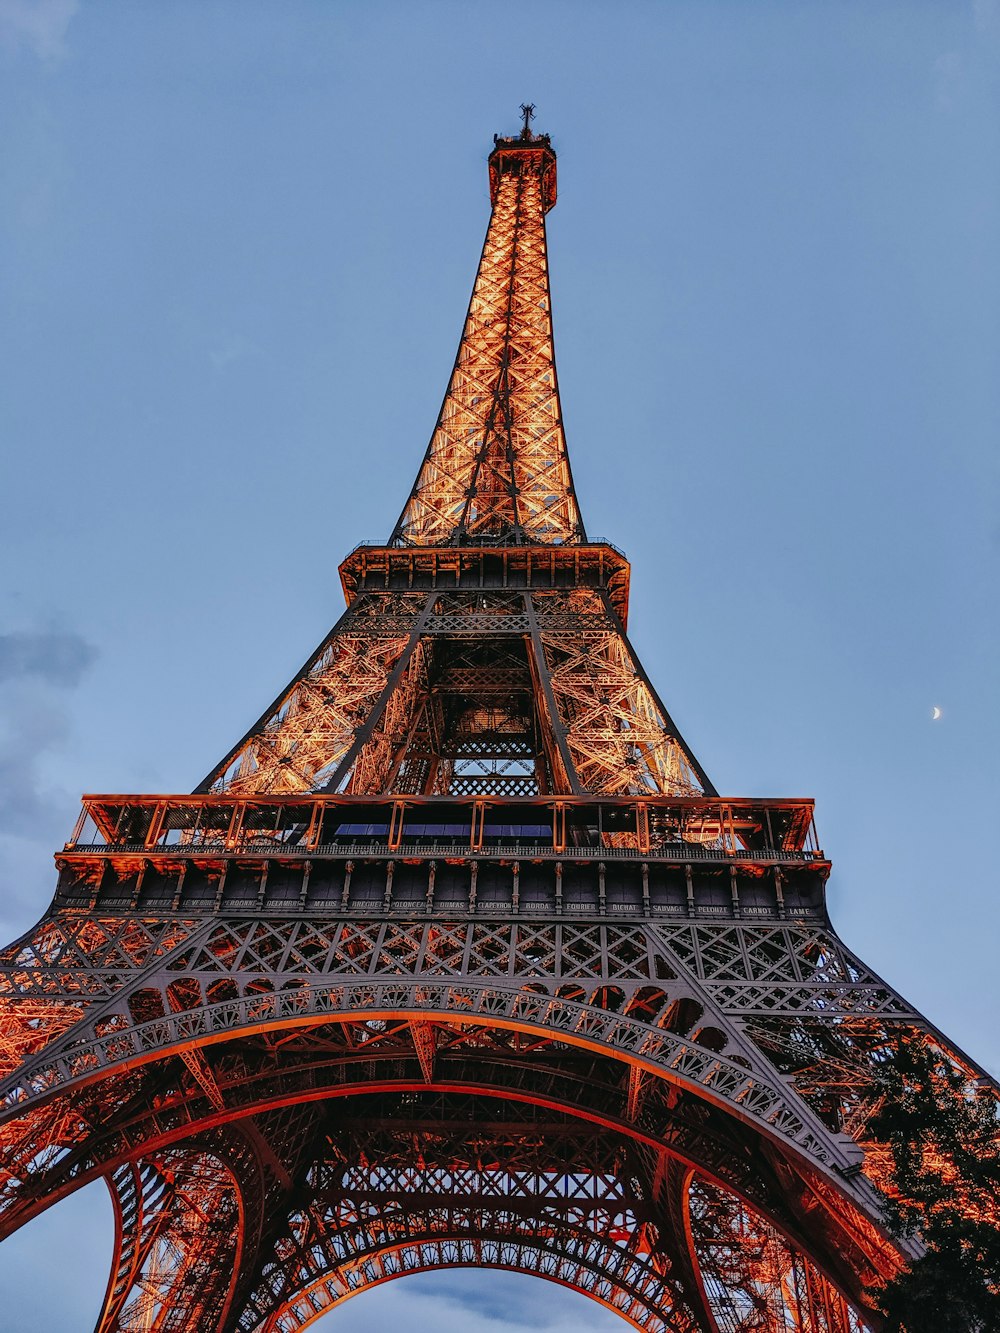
(496,469)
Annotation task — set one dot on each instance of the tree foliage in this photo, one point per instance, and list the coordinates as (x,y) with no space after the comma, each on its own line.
(940,1134)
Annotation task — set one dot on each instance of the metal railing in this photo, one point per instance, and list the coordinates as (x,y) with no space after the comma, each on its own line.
(680,853)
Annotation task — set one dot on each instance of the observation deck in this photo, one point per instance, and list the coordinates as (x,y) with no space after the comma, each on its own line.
(397,568)
(544,856)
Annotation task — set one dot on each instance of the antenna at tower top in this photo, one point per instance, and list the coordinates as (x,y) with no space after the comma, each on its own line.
(528,112)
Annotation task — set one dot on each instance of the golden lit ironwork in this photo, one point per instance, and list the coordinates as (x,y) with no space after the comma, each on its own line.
(458,958)
(496,468)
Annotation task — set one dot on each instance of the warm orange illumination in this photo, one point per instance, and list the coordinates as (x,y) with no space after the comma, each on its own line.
(497,468)
(458,958)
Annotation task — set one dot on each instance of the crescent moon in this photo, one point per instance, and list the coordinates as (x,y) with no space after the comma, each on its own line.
(935,713)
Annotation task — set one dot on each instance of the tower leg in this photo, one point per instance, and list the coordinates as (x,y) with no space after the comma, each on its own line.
(179,1236)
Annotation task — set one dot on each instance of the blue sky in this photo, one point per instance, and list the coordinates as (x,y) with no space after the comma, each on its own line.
(238,241)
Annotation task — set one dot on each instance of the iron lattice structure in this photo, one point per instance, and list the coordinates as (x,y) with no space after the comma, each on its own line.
(458,958)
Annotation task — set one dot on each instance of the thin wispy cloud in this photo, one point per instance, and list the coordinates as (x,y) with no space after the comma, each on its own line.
(37,670)
(55,657)
(37,27)
(30,728)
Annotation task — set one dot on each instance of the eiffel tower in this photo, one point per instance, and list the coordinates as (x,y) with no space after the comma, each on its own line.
(458,958)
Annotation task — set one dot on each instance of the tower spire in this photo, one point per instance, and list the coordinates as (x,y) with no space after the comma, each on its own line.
(483,651)
(496,471)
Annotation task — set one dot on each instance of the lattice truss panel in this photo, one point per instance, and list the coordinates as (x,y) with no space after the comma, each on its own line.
(190,1218)
(620,740)
(754,1279)
(785,985)
(497,468)
(502,693)
(512,1189)
(299,743)
(473,726)
(180,1235)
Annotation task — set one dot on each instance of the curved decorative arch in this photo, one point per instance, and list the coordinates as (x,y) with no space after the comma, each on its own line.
(162,1127)
(747,1088)
(571,1108)
(571,1209)
(593,1095)
(743,1265)
(538,1261)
